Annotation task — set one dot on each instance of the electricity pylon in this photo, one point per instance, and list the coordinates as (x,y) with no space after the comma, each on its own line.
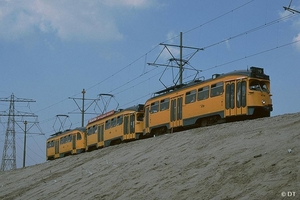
(9,150)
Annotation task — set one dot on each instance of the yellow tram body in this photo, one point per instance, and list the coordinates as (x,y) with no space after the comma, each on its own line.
(238,95)
(225,97)
(66,143)
(114,127)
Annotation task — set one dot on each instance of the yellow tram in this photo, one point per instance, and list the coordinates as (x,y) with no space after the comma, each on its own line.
(225,97)
(114,127)
(66,143)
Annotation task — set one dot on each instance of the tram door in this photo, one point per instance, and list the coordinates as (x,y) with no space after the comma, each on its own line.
(230,108)
(129,126)
(100,133)
(235,98)
(241,103)
(56,143)
(74,143)
(176,112)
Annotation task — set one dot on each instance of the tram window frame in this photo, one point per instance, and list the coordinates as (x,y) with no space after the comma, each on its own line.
(107,124)
(164,104)
(217,89)
(140,117)
(190,96)
(203,93)
(113,122)
(79,136)
(50,144)
(119,120)
(62,140)
(90,131)
(244,92)
(241,94)
(257,85)
(154,108)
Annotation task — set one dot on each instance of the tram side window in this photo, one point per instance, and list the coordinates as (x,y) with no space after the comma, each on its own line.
(113,122)
(50,144)
(216,89)
(119,120)
(164,104)
(154,107)
(107,124)
(90,131)
(190,97)
(203,93)
(79,136)
(94,129)
(140,117)
(66,139)
(62,140)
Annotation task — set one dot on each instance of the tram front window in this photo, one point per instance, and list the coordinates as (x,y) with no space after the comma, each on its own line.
(259,86)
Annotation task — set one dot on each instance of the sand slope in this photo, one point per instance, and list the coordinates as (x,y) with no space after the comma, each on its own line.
(239,160)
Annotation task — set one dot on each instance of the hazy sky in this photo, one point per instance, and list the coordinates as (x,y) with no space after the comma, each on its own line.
(51,50)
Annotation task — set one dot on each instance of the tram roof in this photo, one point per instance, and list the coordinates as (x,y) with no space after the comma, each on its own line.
(252,72)
(67,131)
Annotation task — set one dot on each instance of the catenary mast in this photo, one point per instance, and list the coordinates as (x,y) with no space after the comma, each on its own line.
(9,150)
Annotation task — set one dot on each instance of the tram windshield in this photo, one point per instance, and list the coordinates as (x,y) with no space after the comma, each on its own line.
(259,86)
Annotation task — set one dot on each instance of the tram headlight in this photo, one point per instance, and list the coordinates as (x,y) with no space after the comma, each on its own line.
(263,102)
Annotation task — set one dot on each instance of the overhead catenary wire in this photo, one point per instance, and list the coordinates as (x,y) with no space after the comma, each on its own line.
(208,46)
(190,30)
(252,55)
(251,30)
(145,55)
(220,16)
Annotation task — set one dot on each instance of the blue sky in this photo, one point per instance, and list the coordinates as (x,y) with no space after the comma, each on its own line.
(51,50)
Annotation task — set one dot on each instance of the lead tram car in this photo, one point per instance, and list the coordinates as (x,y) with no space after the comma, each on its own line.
(238,95)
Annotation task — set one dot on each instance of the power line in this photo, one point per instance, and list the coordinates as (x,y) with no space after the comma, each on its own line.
(220,16)
(9,150)
(123,68)
(201,25)
(145,55)
(251,30)
(252,55)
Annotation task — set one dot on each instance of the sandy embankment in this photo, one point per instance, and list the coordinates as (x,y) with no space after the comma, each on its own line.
(240,160)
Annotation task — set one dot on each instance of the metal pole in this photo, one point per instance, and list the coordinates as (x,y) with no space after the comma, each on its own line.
(24,152)
(82,110)
(180,61)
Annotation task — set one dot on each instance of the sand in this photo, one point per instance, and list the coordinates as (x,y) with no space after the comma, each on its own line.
(253,159)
